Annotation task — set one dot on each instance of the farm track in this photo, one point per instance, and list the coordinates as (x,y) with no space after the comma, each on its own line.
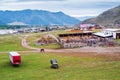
(84,49)
(75,50)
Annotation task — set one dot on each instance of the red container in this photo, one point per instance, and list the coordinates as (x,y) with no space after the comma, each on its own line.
(15,58)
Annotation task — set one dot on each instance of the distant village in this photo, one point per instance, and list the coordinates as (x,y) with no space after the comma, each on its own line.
(28,29)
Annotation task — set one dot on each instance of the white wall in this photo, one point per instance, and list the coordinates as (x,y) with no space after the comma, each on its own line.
(114,35)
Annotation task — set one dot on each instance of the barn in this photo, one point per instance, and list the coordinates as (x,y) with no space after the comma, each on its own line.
(106,33)
(71,40)
(116,35)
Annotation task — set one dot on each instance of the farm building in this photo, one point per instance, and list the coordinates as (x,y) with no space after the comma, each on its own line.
(71,40)
(85,33)
(113,33)
(2,32)
(116,34)
(88,38)
(89,26)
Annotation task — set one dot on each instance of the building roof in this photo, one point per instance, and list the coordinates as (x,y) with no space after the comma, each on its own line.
(80,33)
(102,34)
(113,30)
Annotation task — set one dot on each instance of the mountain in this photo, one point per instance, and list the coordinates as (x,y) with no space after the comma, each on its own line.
(109,18)
(36,17)
(17,23)
(2,23)
(85,17)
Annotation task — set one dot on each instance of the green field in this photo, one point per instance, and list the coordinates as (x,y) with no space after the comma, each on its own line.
(36,66)
(10,43)
(33,39)
(118,41)
(48,46)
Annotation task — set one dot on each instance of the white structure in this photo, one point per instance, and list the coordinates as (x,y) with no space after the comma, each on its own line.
(109,33)
(101,34)
(86,26)
(2,32)
(116,35)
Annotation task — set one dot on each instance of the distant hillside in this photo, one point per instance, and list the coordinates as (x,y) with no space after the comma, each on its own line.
(36,17)
(109,18)
(2,23)
(85,17)
(16,23)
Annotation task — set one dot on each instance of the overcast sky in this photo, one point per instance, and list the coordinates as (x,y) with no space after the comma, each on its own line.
(74,8)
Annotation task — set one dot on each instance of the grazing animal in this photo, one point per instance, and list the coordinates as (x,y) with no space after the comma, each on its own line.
(42,50)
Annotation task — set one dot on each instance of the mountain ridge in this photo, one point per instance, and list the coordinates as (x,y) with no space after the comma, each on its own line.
(36,17)
(108,19)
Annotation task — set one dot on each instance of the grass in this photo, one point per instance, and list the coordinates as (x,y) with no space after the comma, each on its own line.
(32,39)
(10,43)
(48,46)
(97,30)
(36,66)
(38,35)
(118,41)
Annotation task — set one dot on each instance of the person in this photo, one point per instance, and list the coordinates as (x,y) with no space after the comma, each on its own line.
(42,50)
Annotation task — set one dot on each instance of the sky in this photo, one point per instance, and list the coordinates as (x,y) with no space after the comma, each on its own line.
(75,8)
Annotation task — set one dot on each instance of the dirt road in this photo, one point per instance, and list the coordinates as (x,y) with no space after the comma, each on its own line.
(84,49)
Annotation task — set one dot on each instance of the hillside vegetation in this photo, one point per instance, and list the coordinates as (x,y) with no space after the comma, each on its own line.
(109,18)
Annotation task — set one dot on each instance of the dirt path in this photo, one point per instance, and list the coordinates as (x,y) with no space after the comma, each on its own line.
(84,49)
